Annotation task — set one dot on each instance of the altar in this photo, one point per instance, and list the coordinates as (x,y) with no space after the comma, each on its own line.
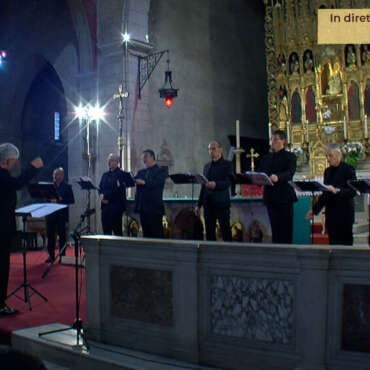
(248,218)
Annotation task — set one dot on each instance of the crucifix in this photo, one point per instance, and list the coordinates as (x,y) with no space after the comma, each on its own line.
(253,155)
(121,95)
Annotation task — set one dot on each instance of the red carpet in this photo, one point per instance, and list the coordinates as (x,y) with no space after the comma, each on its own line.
(58,287)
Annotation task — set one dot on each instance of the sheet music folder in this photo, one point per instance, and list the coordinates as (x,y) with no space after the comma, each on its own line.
(309,186)
(43,190)
(361,186)
(188,178)
(253,178)
(39,209)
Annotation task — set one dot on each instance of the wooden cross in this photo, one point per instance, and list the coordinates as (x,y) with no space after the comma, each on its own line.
(252,156)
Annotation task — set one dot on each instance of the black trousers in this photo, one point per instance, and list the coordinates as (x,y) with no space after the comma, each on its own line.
(211,215)
(5,247)
(281,220)
(55,224)
(111,220)
(151,224)
(340,233)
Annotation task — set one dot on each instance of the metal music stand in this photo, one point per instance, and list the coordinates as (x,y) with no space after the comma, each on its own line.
(86,184)
(77,324)
(253,178)
(362,186)
(310,188)
(35,210)
(189,178)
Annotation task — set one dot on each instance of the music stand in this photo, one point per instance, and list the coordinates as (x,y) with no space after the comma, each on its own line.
(362,186)
(35,210)
(253,178)
(310,188)
(86,184)
(77,324)
(189,178)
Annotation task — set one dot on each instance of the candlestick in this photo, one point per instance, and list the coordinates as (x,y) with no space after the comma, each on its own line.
(307,131)
(237,134)
(270,132)
(365,127)
(344,128)
(287,132)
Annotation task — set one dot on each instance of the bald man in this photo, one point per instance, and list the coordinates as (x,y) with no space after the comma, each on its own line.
(56,222)
(338,202)
(215,194)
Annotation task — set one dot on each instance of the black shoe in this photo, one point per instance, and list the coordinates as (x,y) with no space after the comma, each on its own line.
(49,260)
(7,311)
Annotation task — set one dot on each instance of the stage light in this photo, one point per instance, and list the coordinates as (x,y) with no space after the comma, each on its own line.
(3,55)
(80,112)
(126,37)
(96,113)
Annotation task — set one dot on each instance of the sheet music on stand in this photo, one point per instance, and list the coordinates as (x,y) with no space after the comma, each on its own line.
(254,178)
(85,183)
(39,209)
(43,190)
(309,187)
(189,178)
(360,186)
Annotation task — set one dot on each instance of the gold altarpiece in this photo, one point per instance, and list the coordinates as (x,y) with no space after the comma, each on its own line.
(316,93)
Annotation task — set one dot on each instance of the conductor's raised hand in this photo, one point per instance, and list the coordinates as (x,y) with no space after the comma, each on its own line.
(37,162)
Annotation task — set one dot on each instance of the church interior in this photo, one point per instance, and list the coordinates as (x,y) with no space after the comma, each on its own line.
(82,79)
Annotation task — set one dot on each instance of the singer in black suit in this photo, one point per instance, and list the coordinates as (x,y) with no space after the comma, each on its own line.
(8,199)
(215,194)
(56,222)
(112,190)
(280,165)
(338,202)
(149,195)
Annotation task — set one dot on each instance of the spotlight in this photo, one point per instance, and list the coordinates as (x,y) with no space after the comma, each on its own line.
(126,37)
(92,113)
(3,55)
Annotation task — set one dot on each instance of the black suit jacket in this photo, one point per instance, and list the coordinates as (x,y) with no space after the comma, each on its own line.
(114,194)
(219,171)
(65,194)
(149,197)
(8,197)
(340,207)
(283,164)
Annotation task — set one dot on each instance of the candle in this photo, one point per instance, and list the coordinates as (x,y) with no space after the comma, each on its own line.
(365,127)
(307,132)
(287,132)
(344,128)
(270,133)
(237,134)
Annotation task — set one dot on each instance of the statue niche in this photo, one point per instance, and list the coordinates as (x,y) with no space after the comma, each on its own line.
(353,101)
(296,112)
(281,64)
(283,104)
(334,78)
(308,65)
(294,63)
(351,60)
(365,54)
(367,97)
(310,105)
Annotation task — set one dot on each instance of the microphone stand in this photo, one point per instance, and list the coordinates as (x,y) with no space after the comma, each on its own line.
(77,324)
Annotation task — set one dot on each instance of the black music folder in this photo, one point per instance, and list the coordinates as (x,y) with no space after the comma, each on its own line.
(253,178)
(361,186)
(309,186)
(189,178)
(43,190)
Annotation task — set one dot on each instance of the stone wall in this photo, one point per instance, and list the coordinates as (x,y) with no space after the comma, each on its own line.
(235,306)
